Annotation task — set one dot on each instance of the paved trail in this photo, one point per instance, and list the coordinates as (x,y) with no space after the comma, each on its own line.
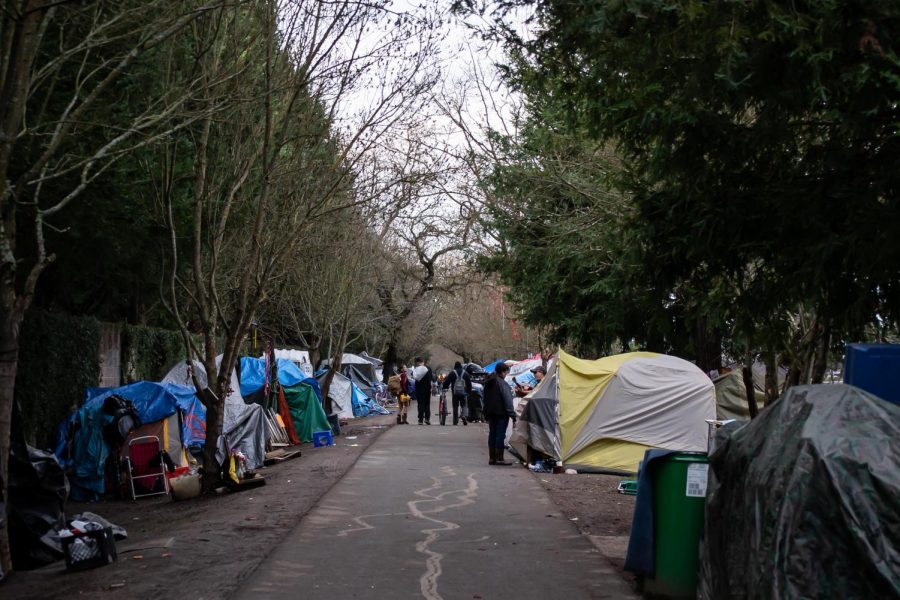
(422,515)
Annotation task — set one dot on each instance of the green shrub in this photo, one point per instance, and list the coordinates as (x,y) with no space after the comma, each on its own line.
(148,353)
(59,357)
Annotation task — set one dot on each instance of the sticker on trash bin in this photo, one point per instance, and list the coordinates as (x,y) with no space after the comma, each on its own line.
(696,481)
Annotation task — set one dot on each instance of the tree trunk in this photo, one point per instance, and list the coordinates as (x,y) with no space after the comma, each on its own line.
(820,362)
(315,352)
(707,346)
(214,415)
(772,387)
(748,383)
(391,359)
(10,324)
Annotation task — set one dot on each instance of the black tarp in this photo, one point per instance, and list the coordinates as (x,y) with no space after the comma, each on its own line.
(804,501)
(37,496)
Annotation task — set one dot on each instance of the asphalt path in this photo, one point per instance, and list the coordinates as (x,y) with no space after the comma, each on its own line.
(422,515)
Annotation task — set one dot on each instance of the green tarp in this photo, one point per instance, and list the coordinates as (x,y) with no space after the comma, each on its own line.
(306,411)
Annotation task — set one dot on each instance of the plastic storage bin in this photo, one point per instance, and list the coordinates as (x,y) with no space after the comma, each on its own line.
(322,438)
(89,549)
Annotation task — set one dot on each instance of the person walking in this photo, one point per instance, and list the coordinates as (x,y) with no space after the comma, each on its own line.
(498,410)
(397,385)
(460,384)
(422,375)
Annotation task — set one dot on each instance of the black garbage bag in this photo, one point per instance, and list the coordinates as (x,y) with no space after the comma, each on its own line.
(804,501)
(37,495)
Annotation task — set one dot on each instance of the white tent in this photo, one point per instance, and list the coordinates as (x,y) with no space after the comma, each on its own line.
(244,425)
(298,357)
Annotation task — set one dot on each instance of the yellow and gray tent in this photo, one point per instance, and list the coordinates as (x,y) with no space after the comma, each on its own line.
(613,409)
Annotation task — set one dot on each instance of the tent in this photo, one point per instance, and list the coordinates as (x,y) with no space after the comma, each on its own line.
(306,415)
(359,370)
(347,399)
(81,446)
(489,368)
(375,361)
(731,396)
(524,366)
(243,425)
(613,409)
(298,357)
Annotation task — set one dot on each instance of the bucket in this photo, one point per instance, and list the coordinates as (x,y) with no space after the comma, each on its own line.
(186,486)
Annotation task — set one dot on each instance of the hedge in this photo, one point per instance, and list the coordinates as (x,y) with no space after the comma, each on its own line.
(148,353)
(58,359)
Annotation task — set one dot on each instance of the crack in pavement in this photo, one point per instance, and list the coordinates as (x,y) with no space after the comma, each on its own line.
(428,583)
(464,497)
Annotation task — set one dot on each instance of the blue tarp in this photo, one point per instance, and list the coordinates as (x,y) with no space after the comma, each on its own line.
(253,375)
(640,555)
(363,406)
(152,402)
(490,368)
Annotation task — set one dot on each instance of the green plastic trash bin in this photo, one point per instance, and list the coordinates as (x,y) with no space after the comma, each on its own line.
(679,497)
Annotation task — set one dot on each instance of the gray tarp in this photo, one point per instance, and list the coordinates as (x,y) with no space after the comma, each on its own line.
(244,424)
(538,424)
(804,501)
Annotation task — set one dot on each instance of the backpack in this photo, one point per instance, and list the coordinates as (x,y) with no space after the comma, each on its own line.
(394,384)
(459,386)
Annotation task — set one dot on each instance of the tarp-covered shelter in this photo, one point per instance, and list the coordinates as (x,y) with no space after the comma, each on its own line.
(538,423)
(803,500)
(347,399)
(82,447)
(731,396)
(489,368)
(305,415)
(298,357)
(243,425)
(359,370)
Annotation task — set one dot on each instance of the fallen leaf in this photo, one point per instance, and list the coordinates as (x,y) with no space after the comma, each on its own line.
(137,557)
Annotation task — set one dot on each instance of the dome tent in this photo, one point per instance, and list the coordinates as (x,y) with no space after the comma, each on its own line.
(613,409)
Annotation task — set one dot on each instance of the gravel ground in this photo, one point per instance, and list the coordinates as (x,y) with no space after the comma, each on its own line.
(597,509)
(202,548)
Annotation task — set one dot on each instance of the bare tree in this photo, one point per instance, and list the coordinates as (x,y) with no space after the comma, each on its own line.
(279,154)
(42,44)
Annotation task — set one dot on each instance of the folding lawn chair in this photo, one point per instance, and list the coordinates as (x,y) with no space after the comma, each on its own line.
(146,467)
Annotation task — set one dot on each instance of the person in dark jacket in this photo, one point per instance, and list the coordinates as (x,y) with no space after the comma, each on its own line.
(498,410)
(422,376)
(459,383)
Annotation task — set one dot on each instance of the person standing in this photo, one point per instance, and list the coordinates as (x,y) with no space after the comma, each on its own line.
(498,410)
(422,376)
(460,384)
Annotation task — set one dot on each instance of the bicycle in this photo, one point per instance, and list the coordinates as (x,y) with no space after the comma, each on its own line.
(442,407)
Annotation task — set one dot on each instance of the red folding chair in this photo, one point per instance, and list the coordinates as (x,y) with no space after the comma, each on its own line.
(146,468)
